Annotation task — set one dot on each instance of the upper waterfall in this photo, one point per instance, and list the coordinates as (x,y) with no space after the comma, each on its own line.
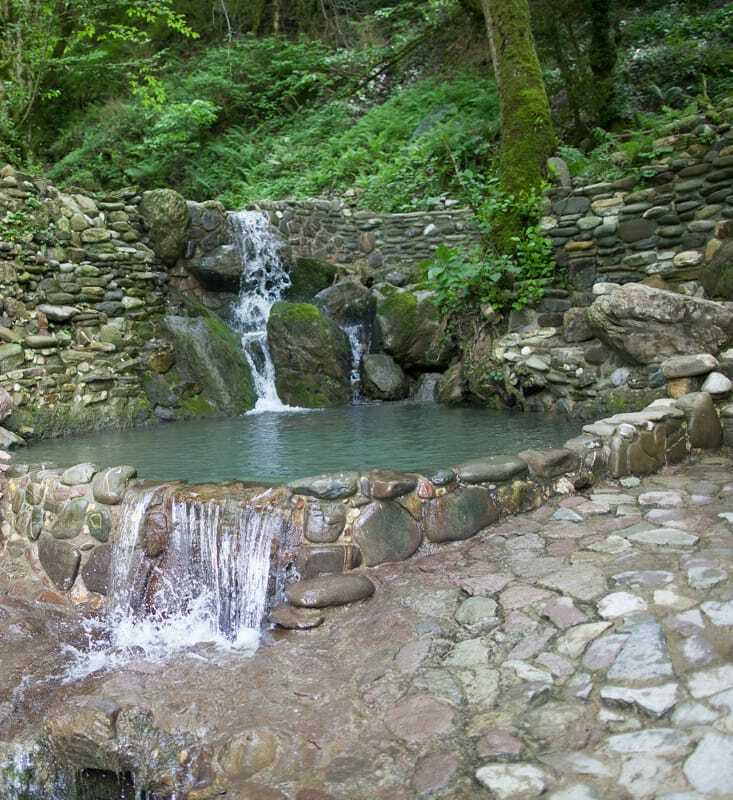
(264,280)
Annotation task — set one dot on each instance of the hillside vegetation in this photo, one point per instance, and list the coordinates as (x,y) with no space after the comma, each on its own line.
(393,102)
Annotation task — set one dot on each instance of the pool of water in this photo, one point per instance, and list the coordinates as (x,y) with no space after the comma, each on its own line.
(276,448)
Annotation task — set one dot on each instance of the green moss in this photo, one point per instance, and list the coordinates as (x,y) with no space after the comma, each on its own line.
(298,314)
(196,406)
(402,305)
(308,276)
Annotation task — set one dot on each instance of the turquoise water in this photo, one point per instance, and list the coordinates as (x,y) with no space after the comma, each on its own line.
(280,447)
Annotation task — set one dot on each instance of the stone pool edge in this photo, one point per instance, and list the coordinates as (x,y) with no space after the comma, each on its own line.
(64,520)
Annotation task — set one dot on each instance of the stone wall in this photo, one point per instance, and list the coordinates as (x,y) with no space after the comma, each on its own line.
(332,230)
(64,520)
(80,294)
(655,226)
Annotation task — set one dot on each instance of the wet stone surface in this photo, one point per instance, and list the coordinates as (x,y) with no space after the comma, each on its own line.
(568,656)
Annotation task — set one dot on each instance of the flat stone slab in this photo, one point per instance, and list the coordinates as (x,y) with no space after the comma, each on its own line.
(494,469)
(710,768)
(644,656)
(512,780)
(619,604)
(655,701)
(327,487)
(329,590)
(657,741)
(294,620)
(581,582)
(688,366)
(664,537)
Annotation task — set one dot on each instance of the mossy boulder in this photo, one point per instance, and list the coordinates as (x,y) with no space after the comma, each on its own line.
(409,327)
(210,369)
(308,277)
(717,275)
(311,355)
(166,216)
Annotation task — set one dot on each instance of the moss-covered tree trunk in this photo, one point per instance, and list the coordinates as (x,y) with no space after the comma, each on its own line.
(528,136)
(602,58)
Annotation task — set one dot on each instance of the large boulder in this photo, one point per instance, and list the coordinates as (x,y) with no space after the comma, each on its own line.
(409,327)
(383,379)
(166,216)
(347,303)
(717,274)
(308,277)
(210,362)
(647,325)
(219,270)
(311,356)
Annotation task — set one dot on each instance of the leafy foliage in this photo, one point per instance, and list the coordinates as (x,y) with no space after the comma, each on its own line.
(510,275)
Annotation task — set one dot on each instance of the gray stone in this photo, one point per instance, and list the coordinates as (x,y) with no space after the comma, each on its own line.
(644,656)
(550,463)
(386,532)
(619,604)
(567,515)
(6,404)
(703,425)
(664,537)
(110,485)
(575,327)
(655,701)
(324,521)
(458,515)
(657,741)
(603,651)
(96,571)
(329,590)
(574,641)
(720,612)
(646,324)
(347,303)
(710,768)
(583,582)
(98,522)
(689,365)
(507,781)
(81,473)
(60,560)
(491,470)
(711,681)
(717,383)
(387,484)
(58,313)
(165,214)
(71,518)
(476,611)
(327,487)
(383,379)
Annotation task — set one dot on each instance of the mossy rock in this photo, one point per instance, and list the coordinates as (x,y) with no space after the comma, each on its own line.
(165,214)
(308,276)
(409,327)
(311,355)
(717,275)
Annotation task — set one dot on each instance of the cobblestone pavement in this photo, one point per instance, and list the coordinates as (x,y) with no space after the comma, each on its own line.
(580,651)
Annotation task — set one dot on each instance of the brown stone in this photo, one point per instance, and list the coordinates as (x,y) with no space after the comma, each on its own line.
(434,772)
(248,753)
(96,570)
(155,537)
(419,717)
(329,590)
(292,619)
(499,744)
(677,387)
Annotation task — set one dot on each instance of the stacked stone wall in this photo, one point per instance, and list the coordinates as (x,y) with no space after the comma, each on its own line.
(80,295)
(332,230)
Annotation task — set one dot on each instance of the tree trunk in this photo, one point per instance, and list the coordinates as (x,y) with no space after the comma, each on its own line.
(528,136)
(602,57)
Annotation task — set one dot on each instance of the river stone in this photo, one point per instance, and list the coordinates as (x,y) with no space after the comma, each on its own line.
(550,463)
(96,571)
(387,484)
(458,515)
(703,425)
(166,216)
(293,619)
(689,366)
(109,486)
(347,303)
(386,532)
(327,487)
(311,356)
(646,324)
(6,404)
(326,560)
(717,383)
(507,781)
(70,520)
(476,610)
(410,328)
(58,313)
(324,521)
(491,470)
(99,522)
(81,473)
(60,560)
(383,379)
(710,768)
(329,590)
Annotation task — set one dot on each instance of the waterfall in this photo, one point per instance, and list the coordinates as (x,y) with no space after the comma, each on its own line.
(264,279)
(210,584)
(359,342)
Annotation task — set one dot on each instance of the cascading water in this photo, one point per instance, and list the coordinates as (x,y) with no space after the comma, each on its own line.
(264,280)
(359,342)
(211,585)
